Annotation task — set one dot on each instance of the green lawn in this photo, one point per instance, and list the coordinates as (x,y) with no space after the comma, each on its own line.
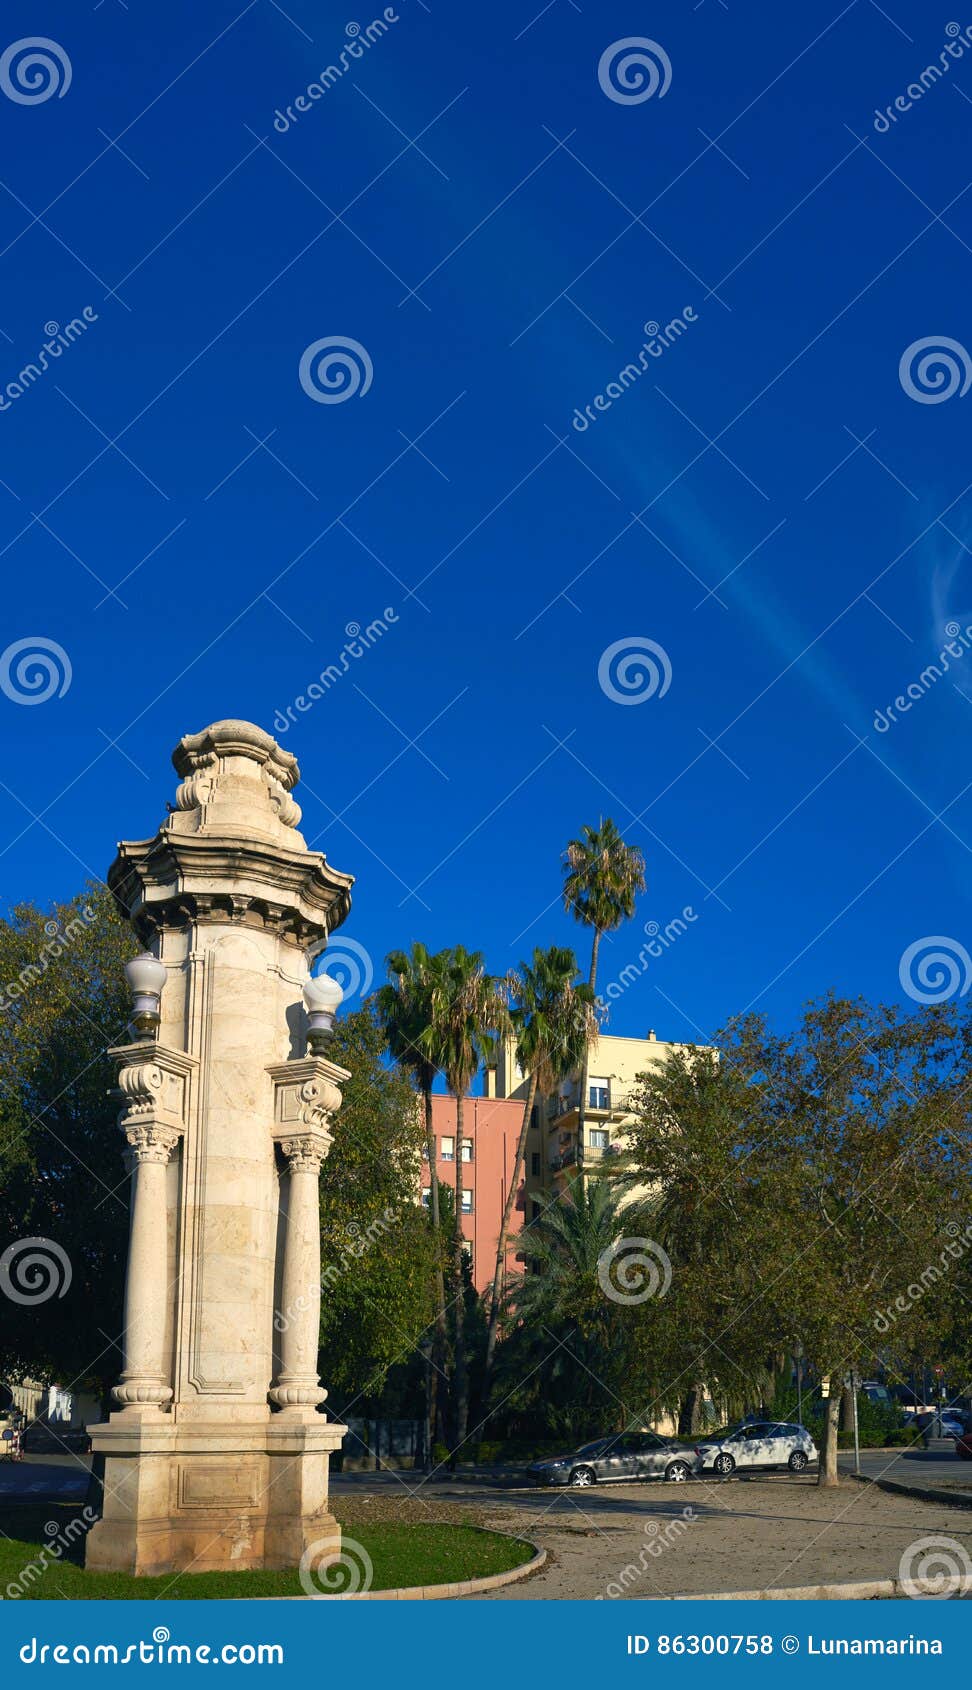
(401,1554)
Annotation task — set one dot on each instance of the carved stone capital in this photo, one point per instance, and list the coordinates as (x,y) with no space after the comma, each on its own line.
(306,1151)
(153,1088)
(150,1142)
(306,1097)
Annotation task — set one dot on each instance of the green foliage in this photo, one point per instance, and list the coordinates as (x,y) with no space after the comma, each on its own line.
(63,1001)
(602,877)
(377,1249)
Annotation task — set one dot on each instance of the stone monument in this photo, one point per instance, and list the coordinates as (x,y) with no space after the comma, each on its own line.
(217,1455)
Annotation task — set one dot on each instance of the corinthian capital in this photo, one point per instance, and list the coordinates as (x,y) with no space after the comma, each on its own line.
(150,1142)
(306,1151)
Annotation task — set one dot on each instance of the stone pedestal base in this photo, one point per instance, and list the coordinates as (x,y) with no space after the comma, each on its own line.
(212,1496)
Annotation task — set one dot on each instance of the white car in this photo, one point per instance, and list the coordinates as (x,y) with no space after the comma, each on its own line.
(762,1443)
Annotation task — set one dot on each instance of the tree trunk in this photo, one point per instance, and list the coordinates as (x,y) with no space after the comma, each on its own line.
(847,1409)
(690,1414)
(460,1380)
(500,1268)
(440,1341)
(827,1469)
(585,1066)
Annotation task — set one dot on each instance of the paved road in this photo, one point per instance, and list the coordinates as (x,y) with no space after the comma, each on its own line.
(914,1466)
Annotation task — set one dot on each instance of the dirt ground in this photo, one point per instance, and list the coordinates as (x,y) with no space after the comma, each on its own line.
(743,1535)
(632,1542)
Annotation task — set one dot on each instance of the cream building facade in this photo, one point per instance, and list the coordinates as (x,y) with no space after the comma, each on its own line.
(558,1147)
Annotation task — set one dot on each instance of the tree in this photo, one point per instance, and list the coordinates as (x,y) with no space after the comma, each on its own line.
(868,1150)
(405,1011)
(568,1359)
(378,1255)
(554,1022)
(694,1145)
(468,1011)
(63,1001)
(602,878)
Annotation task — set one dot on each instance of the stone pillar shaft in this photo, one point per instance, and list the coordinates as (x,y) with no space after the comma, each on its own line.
(298,1384)
(143,1376)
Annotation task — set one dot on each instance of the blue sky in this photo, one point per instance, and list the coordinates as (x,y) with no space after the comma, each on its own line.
(493,228)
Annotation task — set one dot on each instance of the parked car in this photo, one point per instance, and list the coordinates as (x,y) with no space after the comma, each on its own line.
(953,1423)
(963,1446)
(762,1443)
(625,1458)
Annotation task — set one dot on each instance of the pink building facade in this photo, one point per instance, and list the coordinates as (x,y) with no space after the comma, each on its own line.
(491,1131)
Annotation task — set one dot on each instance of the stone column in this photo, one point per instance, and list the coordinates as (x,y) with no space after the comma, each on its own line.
(143,1375)
(298,1382)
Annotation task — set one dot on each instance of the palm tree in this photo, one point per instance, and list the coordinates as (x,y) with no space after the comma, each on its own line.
(573,1358)
(554,1022)
(468,1010)
(405,1010)
(602,878)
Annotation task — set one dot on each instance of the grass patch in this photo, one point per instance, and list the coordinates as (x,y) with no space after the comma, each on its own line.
(403,1552)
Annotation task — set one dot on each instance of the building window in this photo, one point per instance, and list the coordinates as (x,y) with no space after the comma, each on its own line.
(467,1202)
(598,1094)
(535,1211)
(426,1196)
(447,1148)
(598,1137)
(467,1251)
(534,1118)
(535,1164)
(467,1149)
(425,1150)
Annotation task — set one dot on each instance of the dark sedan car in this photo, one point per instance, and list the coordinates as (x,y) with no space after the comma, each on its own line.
(625,1458)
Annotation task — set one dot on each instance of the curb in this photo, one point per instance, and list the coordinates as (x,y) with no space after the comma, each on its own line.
(427,1592)
(921,1493)
(958,1584)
